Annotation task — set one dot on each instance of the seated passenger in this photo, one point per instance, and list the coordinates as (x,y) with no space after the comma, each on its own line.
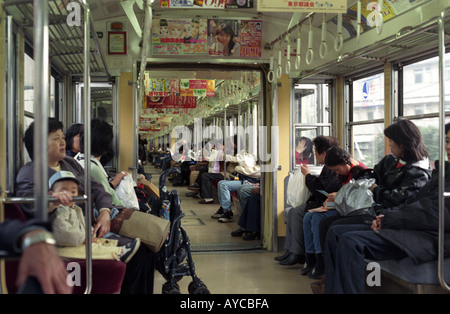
(328,181)
(140,270)
(406,230)
(69,227)
(250,220)
(339,160)
(246,173)
(39,258)
(73,139)
(400,175)
(215,172)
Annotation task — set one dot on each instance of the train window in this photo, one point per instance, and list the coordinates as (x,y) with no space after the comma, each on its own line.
(420,98)
(311,103)
(421,87)
(368,143)
(368,98)
(29,86)
(367,119)
(311,116)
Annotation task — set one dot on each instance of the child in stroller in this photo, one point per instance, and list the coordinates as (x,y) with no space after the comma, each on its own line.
(177,246)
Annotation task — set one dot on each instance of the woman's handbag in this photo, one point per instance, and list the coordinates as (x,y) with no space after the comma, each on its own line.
(152,230)
(355,198)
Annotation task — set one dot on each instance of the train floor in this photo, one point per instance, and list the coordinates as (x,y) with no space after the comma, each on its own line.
(226,264)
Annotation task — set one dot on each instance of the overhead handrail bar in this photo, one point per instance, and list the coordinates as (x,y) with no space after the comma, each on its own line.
(87,145)
(41,107)
(23,200)
(442,171)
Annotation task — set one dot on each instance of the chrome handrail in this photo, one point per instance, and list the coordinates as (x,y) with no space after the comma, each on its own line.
(442,194)
(87,145)
(41,107)
(22,200)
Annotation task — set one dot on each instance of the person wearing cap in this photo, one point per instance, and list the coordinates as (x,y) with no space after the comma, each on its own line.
(57,161)
(69,228)
(139,275)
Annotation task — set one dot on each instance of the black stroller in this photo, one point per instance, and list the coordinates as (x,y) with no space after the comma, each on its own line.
(177,247)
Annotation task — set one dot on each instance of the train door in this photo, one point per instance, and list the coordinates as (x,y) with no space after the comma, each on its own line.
(104,105)
(229,104)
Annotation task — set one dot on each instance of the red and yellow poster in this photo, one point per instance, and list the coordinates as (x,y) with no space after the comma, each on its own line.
(170,102)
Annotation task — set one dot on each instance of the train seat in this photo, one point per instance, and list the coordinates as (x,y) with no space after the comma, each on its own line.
(405,276)
(107,275)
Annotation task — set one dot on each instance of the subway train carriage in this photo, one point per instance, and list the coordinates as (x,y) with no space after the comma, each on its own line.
(255,147)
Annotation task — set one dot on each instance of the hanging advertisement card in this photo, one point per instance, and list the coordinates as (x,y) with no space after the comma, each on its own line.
(197,4)
(321,6)
(179,36)
(251,37)
(170,102)
(239,4)
(232,38)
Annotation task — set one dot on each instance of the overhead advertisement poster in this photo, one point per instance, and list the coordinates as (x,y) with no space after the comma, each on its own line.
(179,36)
(320,6)
(207,4)
(202,37)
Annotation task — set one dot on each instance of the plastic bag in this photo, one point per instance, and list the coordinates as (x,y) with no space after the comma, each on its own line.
(355,198)
(297,192)
(125,192)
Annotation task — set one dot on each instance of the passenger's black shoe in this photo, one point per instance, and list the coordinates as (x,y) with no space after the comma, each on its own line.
(310,263)
(293,259)
(218,213)
(226,217)
(282,257)
(250,236)
(194,187)
(319,269)
(237,233)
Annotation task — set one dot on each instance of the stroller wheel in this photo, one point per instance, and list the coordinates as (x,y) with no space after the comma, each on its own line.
(168,288)
(198,288)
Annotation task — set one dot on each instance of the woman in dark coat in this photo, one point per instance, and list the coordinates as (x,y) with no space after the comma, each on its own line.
(399,175)
(408,230)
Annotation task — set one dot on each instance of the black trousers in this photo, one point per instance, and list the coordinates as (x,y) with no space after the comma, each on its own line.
(140,272)
(327,222)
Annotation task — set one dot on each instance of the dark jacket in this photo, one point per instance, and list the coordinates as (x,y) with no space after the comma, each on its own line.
(413,226)
(25,184)
(396,185)
(328,180)
(12,230)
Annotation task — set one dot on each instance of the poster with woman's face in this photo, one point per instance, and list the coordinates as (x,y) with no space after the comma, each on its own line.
(214,37)
(234,38)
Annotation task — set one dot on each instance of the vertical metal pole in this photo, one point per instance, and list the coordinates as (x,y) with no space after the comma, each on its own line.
(441,151)
(10,109)
(41,104)
(87,146)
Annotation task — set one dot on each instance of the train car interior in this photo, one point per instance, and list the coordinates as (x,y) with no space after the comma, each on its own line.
(195,74)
